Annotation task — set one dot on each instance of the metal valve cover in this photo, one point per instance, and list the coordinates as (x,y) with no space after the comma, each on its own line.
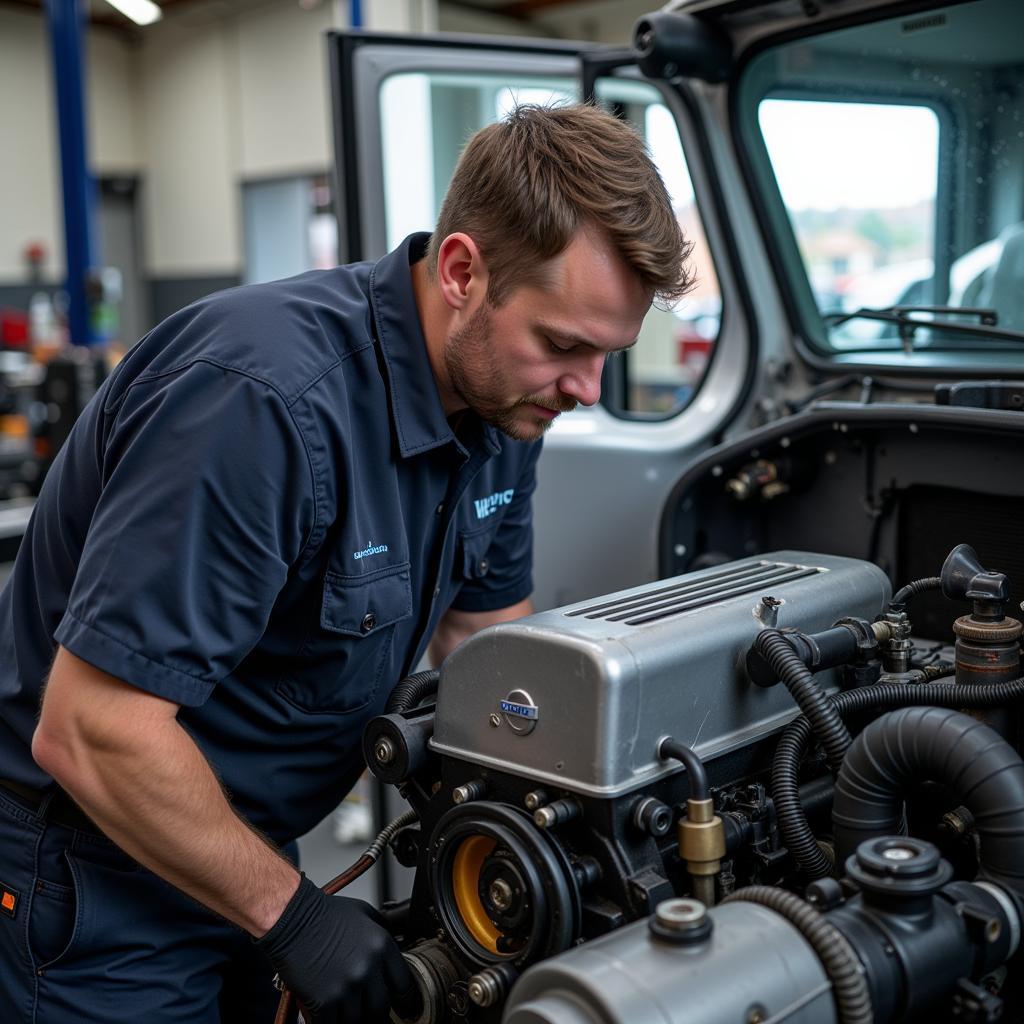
(580,697)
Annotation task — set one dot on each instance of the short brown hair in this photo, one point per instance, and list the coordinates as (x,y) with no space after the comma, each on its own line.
(524,186)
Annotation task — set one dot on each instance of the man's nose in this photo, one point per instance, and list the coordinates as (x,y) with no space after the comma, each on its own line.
(583,383)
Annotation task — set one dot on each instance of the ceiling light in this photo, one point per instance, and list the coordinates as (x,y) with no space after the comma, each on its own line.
(142,12)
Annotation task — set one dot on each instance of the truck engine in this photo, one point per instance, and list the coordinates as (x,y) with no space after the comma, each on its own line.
(743,794)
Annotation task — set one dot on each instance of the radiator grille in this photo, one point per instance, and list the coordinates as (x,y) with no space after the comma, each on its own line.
(687,595)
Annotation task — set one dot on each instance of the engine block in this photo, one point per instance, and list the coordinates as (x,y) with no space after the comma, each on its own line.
(630,810)
(580,697)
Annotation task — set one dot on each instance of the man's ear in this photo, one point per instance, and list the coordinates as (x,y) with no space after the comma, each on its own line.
(461,273)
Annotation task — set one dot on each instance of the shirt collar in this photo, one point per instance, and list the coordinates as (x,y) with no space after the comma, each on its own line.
(416,411)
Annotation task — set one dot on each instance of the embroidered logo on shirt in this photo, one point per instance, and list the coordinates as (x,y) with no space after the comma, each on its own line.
(370,549)
(8,900)
(488,506)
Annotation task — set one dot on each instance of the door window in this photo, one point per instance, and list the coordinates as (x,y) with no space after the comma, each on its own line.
(665,368)
(888,156)
(865,226)
(426,119)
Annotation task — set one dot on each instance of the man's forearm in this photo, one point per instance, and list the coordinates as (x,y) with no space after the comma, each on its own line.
(150,789)
(456,626)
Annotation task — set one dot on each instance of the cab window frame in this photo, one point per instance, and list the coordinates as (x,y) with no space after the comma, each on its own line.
(680,105)
(776,228)
(812,328)
(678,99)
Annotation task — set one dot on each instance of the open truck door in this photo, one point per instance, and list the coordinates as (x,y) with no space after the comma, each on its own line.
(403,108)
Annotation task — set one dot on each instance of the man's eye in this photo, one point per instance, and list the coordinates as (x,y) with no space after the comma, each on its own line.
(558,348)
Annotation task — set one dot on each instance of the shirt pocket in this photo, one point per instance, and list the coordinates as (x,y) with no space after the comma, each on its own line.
(339,668)
(472,562)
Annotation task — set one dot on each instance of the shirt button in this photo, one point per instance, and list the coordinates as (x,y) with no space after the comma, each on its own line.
(369,621)
(482,566)
(437,591)
(439,510)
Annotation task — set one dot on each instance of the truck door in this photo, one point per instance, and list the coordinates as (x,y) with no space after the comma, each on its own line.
(403,108)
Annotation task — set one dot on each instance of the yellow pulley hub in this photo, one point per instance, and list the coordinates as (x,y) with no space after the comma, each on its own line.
(466,866)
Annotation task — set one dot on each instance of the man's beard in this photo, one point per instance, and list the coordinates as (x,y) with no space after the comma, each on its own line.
(473,371)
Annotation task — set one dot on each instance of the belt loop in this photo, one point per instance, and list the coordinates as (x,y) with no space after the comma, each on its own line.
(42,811)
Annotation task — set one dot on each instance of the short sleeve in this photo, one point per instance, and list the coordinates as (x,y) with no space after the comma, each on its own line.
(207,499)
(507,562)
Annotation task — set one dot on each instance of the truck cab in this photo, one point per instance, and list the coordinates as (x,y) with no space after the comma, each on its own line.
(839,397)
(850,176)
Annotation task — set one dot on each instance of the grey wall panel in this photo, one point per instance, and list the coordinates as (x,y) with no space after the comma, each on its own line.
(169,294)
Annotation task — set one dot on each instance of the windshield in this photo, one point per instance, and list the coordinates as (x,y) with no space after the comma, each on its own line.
(891,160)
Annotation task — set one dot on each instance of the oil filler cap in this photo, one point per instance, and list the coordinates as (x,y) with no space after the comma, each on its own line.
(680,921)
(899,867)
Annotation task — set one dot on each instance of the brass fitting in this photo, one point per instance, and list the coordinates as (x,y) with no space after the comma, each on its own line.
(701,838)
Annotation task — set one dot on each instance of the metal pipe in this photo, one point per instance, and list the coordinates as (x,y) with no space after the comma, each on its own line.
(66,21)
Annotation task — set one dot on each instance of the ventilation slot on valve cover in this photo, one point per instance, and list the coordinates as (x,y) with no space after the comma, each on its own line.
(689,594)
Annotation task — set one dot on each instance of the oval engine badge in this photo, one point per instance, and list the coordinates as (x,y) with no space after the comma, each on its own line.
(520,712)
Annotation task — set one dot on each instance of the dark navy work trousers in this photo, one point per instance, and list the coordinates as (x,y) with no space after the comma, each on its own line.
(89,937)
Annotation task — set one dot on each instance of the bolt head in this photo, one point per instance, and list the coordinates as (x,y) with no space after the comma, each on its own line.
(543,817)
(500,894)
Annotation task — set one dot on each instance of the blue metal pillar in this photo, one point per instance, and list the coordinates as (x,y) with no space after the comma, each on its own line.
(66,20)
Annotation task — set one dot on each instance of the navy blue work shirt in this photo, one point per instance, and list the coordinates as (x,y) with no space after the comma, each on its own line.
(261,516)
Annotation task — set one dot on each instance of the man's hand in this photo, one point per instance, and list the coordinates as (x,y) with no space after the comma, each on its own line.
(334,954)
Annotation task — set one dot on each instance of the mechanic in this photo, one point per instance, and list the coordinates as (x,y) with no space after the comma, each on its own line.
(275,501)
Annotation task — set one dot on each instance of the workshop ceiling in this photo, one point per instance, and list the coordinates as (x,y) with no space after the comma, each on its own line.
(198,11)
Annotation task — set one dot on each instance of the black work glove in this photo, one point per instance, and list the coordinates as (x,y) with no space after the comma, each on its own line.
(336,957)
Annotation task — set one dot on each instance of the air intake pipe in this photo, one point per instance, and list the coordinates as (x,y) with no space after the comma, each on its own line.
(935,744)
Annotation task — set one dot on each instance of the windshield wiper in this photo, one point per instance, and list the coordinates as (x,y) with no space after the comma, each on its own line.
(907,326)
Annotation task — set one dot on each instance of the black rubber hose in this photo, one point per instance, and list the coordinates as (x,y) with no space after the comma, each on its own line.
(817,708)
(796,833)
(412,690)
(849,982)
(904,594)
(939,745)
(695,770)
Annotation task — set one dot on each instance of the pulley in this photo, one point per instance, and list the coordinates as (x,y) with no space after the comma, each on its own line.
(503,889)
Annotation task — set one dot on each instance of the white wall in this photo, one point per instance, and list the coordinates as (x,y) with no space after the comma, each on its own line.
(604,21)
(452,18)
(400,15)
(280,56)
(112,103)
(191,206)
(29,160)
(30,183)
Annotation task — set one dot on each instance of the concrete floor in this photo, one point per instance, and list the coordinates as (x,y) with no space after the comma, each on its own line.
(322,858)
